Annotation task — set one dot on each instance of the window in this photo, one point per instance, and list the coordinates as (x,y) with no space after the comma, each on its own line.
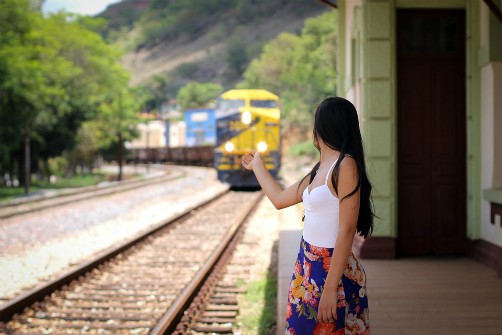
(230,104)
(264,103)
(199,117)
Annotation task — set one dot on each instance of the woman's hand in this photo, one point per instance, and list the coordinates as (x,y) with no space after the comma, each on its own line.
(251,159)
(327,305)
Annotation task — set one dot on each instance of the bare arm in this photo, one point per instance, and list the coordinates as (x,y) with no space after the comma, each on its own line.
(279,197)
(349,212)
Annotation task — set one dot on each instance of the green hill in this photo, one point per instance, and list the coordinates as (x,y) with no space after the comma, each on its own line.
(200,40)
(121,16)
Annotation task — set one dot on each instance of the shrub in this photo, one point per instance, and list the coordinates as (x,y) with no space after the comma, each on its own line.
(304,148)
(57,166)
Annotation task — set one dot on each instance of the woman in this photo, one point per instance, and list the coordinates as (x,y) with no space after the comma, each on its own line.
(327,294)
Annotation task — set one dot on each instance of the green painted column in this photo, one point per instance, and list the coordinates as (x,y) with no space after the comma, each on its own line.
(474,59)
(379,110)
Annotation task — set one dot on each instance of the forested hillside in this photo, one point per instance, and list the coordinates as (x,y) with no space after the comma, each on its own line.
(122,16)
(189,46)
(300,68)
(200,40)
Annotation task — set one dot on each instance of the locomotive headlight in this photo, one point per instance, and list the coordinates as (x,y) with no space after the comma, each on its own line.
(262,146)
(229,146)
(246,117)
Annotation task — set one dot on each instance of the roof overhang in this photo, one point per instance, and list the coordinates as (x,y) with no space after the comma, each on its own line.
(494,8)
(331,3)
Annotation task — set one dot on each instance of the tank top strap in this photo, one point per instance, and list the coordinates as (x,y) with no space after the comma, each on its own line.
(329,171)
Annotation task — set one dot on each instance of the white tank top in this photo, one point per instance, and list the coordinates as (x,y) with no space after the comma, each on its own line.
(321,214)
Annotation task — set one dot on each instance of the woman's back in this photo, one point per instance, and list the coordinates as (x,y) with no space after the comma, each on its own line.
(321,213)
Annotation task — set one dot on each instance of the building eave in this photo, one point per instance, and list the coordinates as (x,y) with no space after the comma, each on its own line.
(331,3)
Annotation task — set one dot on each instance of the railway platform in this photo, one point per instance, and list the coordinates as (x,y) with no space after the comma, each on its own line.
(407,296)
(414,296)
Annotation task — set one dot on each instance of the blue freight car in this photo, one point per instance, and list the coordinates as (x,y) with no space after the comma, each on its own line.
(200,127)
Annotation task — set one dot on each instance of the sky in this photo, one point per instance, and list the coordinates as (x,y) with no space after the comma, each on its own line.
(85,7)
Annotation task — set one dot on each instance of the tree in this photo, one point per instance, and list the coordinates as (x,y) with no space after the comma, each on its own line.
(194,95)
(117,121)
(237,57)
(87,145)
(158,90)
(26,80)
(301,69)
(55,73)
(277,59)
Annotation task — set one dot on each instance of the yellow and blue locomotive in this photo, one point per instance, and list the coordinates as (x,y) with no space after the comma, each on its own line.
(246,119)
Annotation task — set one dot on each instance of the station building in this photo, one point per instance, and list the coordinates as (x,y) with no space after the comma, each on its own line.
(426,78)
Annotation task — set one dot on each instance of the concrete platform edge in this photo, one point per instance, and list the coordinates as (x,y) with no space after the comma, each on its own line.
(289,242)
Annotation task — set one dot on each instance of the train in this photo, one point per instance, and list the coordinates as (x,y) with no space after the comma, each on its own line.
(197,156)
(244,120)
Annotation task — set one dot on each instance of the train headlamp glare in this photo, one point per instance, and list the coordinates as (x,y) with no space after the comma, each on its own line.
(246,117)
(229,146)
(262,147)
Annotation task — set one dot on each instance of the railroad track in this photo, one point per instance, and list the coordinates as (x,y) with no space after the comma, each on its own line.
(215,307)
(139,288)
(31,205)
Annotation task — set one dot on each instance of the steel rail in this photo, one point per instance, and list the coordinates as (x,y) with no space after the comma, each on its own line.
(18,304)
(173,315)
(68,192)
(100,192)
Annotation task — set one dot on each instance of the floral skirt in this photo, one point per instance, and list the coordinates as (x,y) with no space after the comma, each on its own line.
(307,284)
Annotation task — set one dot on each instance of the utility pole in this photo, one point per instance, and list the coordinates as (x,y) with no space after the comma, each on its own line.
(27,163)
(147,147)
(119,153)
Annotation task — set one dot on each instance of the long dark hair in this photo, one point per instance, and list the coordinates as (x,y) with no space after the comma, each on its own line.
(337,124)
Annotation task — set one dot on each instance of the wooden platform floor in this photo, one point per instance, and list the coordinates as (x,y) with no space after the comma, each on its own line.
(436,295)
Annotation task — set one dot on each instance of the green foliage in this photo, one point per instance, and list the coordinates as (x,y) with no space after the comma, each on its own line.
(304,148)
(300,69)
(117,118)
(232,32)
(88,142)
(159,89)
(57,166)
(121,16)
(15,19)
(169,20)
(56,73)
(95,24)
(9,193)
(258,310)
(237,57)
(187,70)
(194,95)
(80,180)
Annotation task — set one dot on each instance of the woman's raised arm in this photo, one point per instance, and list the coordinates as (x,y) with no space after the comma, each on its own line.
(280,198)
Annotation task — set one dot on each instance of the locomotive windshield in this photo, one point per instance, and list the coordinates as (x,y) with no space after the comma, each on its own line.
(264,103)
(230,104)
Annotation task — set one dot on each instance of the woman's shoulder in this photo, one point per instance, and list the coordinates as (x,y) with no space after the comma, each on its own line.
(348,164)
(348,159)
